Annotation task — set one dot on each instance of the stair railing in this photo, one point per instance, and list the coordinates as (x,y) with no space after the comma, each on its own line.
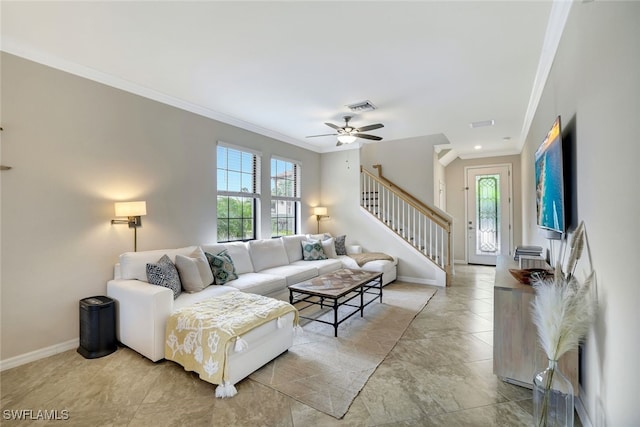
(426,228)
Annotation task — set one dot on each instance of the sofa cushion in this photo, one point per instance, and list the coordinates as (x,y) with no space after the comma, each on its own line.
(312,250)
(133,265)
(323,266)
(293,273)
(258,283)
(292,244)
(238,251)
(194,270)
(164,273)
(222,267)
(185,299)
(267,253)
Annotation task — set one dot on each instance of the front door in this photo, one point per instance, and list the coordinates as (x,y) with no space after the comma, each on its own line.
(488,213)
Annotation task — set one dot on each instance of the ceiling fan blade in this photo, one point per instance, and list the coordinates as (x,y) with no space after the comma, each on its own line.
(370,127)
(338,144)
(324,134)
(331,125)
(365,136)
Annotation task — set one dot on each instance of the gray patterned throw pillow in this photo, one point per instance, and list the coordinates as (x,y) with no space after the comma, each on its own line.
(341,247)
(312,250)
(164,273)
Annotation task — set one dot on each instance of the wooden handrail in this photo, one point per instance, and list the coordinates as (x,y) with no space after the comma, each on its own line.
(443,221)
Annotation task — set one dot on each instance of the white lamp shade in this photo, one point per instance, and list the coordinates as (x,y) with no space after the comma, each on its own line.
(319,210)
(131,208)
(346,139)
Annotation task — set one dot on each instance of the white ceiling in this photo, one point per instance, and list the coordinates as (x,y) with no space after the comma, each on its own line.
(284,68)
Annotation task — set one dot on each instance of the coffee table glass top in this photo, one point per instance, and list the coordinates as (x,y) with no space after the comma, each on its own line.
(335,283)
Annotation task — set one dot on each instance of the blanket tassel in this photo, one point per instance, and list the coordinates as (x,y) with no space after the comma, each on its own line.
(241,345)
(226,389)
(297,330)
(279,322)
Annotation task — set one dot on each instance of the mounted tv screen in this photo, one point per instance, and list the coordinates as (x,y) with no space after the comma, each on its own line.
(550,182)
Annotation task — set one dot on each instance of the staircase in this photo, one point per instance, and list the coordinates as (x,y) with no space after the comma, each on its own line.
(427,229)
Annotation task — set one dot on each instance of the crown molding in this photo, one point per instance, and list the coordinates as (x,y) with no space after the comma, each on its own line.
(10,46)
(555,27)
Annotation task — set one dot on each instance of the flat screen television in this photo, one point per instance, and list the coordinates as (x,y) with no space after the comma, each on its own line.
(550,204)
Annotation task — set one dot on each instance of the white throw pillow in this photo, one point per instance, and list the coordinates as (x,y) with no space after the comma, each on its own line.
(321,236)
(194,270)
(329,248)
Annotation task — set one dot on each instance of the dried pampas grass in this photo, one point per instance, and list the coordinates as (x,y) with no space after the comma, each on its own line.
(562,312)
(563,308)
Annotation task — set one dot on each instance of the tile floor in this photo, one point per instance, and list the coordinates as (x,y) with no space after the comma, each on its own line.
(439,374)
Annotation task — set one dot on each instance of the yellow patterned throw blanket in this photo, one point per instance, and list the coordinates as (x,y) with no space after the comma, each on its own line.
(199,337)
(364,258)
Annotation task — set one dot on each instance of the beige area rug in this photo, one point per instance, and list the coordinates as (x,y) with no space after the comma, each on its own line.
(327,373)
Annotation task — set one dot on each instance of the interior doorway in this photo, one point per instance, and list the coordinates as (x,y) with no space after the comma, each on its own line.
(488,214)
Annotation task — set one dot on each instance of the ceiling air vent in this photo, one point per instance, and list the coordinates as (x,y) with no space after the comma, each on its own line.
(482,123)
(363,106)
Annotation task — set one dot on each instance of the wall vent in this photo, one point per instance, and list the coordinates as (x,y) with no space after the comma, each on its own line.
(363,106)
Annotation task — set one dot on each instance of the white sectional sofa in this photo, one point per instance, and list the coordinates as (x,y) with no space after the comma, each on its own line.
(264,267)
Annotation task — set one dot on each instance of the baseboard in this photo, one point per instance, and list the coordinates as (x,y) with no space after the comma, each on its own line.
(419,280)
(460,261)
(32,356)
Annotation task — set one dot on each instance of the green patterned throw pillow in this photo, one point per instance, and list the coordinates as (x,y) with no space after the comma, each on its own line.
(222,267)
(312,250)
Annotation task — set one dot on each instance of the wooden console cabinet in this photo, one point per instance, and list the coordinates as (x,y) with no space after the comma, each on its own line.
(517,357)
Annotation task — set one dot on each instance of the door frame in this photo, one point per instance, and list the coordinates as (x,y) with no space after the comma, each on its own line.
(509,167)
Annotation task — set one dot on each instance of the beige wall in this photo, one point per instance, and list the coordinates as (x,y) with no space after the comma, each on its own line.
(406,162)
(456,194)
(594,87)
(77,146)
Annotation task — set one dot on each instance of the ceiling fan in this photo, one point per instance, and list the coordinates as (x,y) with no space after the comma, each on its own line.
(348,134)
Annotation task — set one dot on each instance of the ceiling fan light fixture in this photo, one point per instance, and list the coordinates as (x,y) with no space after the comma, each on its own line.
(346,139)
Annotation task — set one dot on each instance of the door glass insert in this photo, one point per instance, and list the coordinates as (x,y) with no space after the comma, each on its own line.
(488,214)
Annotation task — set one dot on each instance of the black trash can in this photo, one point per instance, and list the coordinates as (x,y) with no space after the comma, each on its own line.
(97,327)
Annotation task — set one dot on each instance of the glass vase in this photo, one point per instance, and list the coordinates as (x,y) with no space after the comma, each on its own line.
(552,398)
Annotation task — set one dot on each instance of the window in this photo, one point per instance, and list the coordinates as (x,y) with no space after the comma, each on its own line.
(285,197)
(238,193)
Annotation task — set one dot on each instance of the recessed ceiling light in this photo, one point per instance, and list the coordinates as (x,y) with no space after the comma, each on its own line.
(477,147)
(482,123)
(506,138)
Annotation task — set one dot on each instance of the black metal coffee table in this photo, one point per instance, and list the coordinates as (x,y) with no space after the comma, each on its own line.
(340,287)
